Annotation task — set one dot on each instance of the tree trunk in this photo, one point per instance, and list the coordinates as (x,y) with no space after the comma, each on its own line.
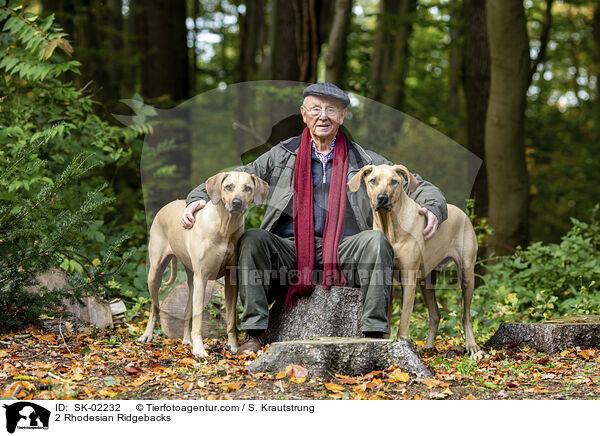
(596,26)
(504,136)
(296,45)
(391,54)
(335,59)
(163,43)
(477,91)
(251,39)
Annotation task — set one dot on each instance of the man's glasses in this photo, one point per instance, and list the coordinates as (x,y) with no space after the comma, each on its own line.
(316,111)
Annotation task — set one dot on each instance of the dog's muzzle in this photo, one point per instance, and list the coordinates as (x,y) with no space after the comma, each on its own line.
(237,205)
(383,202)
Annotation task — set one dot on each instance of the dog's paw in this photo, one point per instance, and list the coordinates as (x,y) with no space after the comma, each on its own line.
(199,352)
(144,339)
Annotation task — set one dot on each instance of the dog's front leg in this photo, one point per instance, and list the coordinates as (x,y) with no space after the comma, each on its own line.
(200,281)
(187,315)
(231,294)
(409,283)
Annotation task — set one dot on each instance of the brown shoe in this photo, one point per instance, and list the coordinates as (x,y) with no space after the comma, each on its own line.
(252,342)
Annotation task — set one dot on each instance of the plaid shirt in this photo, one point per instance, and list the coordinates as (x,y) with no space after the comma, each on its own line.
(324,158)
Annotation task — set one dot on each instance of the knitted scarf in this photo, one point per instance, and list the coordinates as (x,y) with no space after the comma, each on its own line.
(304,237)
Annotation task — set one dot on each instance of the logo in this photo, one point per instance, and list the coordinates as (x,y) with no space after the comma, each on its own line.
(26,415)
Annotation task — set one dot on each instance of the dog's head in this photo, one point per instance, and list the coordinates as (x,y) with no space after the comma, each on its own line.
(236,190)
(384,184)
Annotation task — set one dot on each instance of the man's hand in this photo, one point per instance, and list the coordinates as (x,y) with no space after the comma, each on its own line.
(187,219)
(431,221)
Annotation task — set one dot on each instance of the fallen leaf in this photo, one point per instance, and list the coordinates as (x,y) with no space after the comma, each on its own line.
(298,371)
(216,381)
(251,384)
(297,379)
(333,387)
(348,380)
(233,386)
(587,354)
(538,390)
(133,370)
(10,369)
(111,381)
(280,375)
(432,383)
(187,361)
(3,353)
(108,393)
(470,397)
(361,388)
(337,396)
(397,376)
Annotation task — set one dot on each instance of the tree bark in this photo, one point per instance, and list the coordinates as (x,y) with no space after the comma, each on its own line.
(296,45)
(391,53)
(251,39)
(335,59)
(504,136)
(163,45)
(476,81)
(596,27)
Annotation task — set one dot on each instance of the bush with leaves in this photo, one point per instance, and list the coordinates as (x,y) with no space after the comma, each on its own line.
(52,196)
(544,281)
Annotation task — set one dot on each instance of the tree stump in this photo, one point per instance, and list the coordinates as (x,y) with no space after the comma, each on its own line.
(324,357)
(334,312)
(550,336)
(323,333)
(172,311)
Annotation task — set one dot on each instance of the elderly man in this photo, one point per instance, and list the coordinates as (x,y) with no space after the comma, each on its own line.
(313,224)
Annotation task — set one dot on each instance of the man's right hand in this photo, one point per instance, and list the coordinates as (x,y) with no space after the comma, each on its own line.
(187,219)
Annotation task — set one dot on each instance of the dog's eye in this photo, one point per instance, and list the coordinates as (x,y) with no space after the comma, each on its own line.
(393,182)
(373,181)
(247,188)
(229,187)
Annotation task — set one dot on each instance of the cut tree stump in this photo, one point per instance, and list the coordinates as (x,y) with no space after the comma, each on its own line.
(172,312)
(550,336)
(333,312)
(323,333)
(324,357)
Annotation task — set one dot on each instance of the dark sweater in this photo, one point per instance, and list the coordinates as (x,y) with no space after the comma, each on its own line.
(284,226)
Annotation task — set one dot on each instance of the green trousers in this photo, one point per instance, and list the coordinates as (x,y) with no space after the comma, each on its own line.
(266,263)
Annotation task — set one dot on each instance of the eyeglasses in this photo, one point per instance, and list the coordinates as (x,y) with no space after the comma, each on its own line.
(317,111)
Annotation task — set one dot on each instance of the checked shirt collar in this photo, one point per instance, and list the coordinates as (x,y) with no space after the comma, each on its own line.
(324,158)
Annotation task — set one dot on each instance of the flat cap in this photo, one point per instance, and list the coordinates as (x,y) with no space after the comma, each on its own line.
(328,90)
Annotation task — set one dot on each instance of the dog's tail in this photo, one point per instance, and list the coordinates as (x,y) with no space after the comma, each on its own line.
(173,272)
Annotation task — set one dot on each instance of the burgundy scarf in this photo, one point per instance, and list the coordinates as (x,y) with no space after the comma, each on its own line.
(304,235)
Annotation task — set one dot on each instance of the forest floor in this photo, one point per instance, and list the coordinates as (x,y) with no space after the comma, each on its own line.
(110,364)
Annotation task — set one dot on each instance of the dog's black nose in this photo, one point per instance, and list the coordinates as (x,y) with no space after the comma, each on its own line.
(382,198)
(383,202)
(237,203)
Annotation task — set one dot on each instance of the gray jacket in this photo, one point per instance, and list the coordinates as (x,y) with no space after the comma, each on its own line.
(276,167)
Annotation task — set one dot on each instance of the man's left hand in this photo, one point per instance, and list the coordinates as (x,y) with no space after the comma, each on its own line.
(431,221)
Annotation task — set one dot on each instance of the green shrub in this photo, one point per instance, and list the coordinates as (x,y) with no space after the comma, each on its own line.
(53,196)
(544,281)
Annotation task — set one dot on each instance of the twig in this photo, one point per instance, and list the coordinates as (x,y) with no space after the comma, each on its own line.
(56,377)
(61,335)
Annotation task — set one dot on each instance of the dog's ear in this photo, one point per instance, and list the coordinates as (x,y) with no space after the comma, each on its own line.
(354,183)
(261,189)
(408,176)
(214,185)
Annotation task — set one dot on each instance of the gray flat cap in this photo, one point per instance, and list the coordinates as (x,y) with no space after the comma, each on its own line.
(328,90)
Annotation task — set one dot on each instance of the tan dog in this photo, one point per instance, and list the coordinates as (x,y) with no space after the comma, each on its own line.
(206,250)
(395,214)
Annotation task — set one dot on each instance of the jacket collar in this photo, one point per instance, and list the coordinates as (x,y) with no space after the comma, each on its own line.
(357,156)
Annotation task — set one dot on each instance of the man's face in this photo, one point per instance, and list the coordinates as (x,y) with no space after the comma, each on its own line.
(327,121)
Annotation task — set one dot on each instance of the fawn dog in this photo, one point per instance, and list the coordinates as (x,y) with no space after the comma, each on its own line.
(396,215)
(205,250)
